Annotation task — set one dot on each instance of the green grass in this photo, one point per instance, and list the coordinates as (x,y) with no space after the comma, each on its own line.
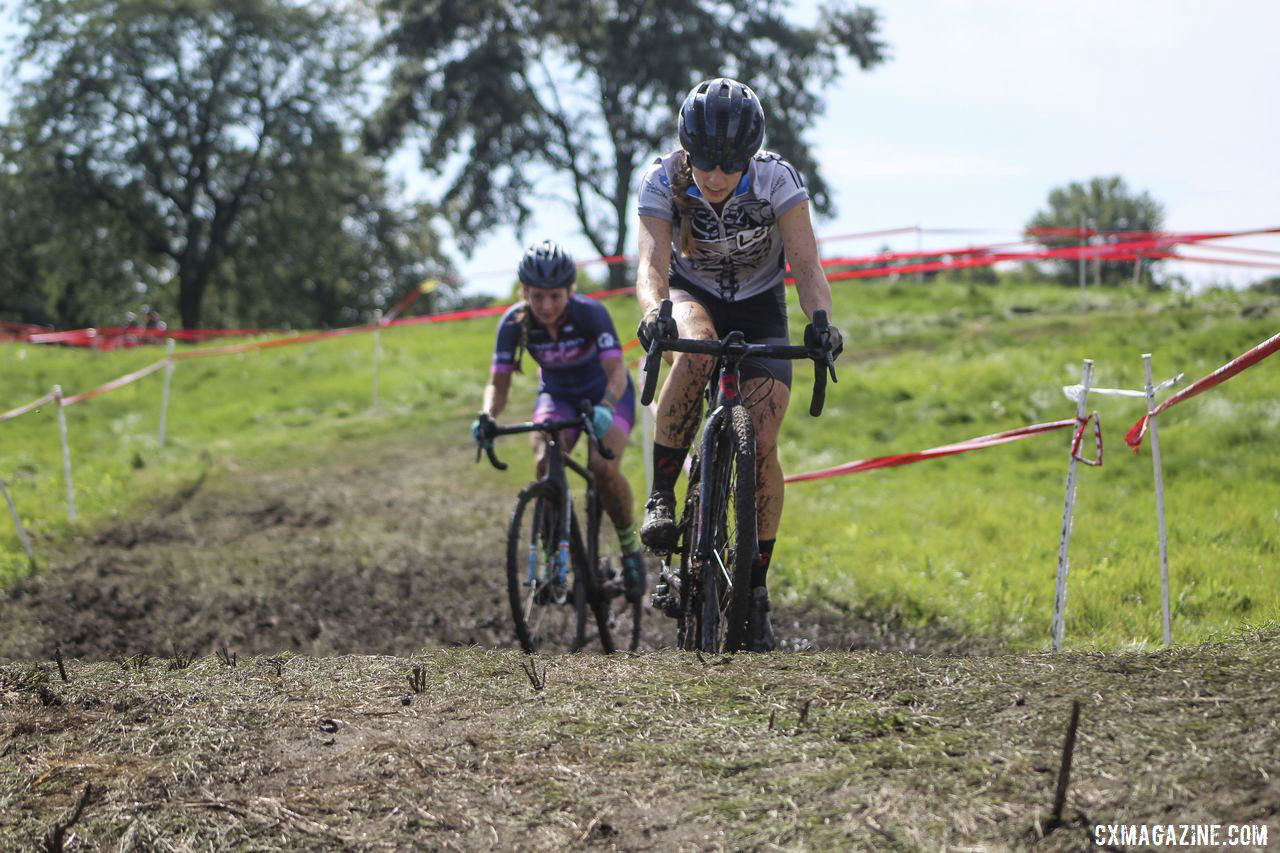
(968,541)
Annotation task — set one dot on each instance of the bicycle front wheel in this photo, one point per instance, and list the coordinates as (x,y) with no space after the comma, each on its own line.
(548,601)
(727,547)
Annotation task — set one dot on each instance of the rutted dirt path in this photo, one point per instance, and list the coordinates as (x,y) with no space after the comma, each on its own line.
(399,551)
(344,746)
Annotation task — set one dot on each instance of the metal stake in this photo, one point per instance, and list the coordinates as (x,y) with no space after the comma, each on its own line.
(1060,598)
(66,453)
(164,396)
(377,354)
(17,522)
(1081,262)
(1154,432)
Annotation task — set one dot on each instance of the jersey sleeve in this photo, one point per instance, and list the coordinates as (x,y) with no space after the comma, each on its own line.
(504,349)
(655,192)
(606,336)
(786,187)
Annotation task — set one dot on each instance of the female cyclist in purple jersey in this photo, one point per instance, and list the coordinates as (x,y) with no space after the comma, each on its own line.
(573,341)
(720,219)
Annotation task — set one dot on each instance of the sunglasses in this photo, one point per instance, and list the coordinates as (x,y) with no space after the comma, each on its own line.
(706,164)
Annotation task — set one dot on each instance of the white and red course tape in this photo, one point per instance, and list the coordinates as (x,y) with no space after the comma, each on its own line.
(1242,362)
(937,452)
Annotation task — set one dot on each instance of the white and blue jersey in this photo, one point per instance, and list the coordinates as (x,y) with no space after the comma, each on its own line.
(738,252)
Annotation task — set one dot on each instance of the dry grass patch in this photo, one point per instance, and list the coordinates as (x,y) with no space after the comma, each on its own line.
(456,749)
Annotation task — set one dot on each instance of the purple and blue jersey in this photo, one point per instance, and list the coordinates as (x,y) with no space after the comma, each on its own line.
(569,366)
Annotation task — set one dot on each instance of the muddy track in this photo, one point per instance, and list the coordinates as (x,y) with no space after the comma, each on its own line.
(396,552)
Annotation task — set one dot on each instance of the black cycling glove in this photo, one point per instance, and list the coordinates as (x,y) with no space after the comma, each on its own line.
(829,340)
(653,327)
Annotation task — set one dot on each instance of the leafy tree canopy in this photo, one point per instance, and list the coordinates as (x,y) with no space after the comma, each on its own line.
(1103,204)
(182,148)
(587,90)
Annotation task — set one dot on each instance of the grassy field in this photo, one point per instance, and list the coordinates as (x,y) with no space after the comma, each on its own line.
(967,543)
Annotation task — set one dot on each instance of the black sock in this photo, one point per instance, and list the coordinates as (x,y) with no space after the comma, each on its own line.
(667,463)
(760,568)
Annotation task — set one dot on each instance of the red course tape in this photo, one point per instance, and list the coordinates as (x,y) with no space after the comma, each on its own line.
(934,452)
(1081,425)
(1242,362)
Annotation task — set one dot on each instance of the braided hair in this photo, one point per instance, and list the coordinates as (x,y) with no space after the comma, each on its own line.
(523,316)
(684,204)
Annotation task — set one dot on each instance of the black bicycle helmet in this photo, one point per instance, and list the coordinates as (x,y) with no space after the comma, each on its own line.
(547,265)
(721,124)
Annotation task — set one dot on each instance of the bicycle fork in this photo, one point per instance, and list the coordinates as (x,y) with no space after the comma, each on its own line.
(557,569)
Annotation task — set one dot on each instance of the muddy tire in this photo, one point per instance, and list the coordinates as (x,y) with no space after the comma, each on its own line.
(729,493)
(625,617)
(690,578)
(532,548)
(589,587)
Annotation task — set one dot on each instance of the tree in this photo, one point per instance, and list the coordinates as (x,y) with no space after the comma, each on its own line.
(563,101)
(1106,205)
(328,247)
(180,131)
(64,256)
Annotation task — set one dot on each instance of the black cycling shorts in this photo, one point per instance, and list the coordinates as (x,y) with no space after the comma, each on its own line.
(762,319)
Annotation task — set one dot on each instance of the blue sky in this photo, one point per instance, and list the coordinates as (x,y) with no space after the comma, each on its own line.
(988,104)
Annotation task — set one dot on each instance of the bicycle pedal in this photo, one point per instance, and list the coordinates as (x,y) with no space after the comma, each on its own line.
(664,599)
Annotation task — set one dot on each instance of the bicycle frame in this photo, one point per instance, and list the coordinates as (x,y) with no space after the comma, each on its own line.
(726,382)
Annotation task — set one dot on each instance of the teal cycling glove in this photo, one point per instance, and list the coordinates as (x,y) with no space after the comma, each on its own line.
(480,431)
(601,420)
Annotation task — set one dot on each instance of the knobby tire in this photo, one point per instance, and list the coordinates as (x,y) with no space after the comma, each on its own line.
(716,608)
(542,503)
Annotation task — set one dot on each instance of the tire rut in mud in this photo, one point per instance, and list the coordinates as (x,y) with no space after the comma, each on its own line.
(396,552)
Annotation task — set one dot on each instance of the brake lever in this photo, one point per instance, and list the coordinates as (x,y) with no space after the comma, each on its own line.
(493,458)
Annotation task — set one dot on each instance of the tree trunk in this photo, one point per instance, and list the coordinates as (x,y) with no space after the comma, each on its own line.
(190,294)
(618,276)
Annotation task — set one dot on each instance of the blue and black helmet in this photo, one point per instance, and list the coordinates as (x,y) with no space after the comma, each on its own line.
(547,265)
(721,124)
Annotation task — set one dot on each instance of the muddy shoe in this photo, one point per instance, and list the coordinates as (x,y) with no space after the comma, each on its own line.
(659,531)
(633,576)
(759,630)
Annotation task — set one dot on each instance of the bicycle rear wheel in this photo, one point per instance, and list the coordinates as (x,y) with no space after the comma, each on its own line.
(729,543)
(625,617)
(589,580)
(548,604)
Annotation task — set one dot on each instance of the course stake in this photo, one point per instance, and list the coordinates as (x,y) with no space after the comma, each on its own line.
(164,395)
(1159,477)
(17,522)
(66,453)
(377,355)
(1060,598)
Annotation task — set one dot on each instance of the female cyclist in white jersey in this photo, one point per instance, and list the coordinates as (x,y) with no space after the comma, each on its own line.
(720,219)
